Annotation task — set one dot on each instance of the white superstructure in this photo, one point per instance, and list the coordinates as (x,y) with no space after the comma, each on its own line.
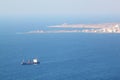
(35,60)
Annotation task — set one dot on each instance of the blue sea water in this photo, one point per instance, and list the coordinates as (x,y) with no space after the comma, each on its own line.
(63,56)
(70,56)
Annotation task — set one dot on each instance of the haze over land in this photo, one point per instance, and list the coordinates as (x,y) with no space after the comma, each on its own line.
(19,15)
(83,28)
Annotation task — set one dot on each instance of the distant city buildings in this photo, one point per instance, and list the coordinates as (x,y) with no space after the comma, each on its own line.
(83,28)
(113,29)
(93,28)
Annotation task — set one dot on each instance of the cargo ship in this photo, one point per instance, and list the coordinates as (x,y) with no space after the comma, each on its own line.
(30,62)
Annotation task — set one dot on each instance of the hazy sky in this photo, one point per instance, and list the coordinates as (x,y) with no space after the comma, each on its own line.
(59,7)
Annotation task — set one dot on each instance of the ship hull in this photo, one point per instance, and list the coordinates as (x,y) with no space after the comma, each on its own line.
(29,63)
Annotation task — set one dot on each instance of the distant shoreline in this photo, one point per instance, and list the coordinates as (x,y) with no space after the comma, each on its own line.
(86,28)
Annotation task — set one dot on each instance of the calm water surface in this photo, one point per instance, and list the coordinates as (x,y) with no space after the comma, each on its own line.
(74,56)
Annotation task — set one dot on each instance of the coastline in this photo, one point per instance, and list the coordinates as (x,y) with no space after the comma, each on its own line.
(85,28)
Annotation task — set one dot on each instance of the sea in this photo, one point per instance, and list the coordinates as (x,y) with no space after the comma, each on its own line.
(62,56)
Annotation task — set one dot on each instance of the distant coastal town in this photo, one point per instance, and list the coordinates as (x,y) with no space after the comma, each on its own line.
(83,28)
(95,28)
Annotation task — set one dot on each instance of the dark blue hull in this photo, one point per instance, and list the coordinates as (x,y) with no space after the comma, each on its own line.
(24,63)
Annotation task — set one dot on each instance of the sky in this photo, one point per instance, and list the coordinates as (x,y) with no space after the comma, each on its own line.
(30,14)
(59,7)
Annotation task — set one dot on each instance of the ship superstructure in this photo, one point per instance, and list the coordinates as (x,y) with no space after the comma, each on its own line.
(30,62)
